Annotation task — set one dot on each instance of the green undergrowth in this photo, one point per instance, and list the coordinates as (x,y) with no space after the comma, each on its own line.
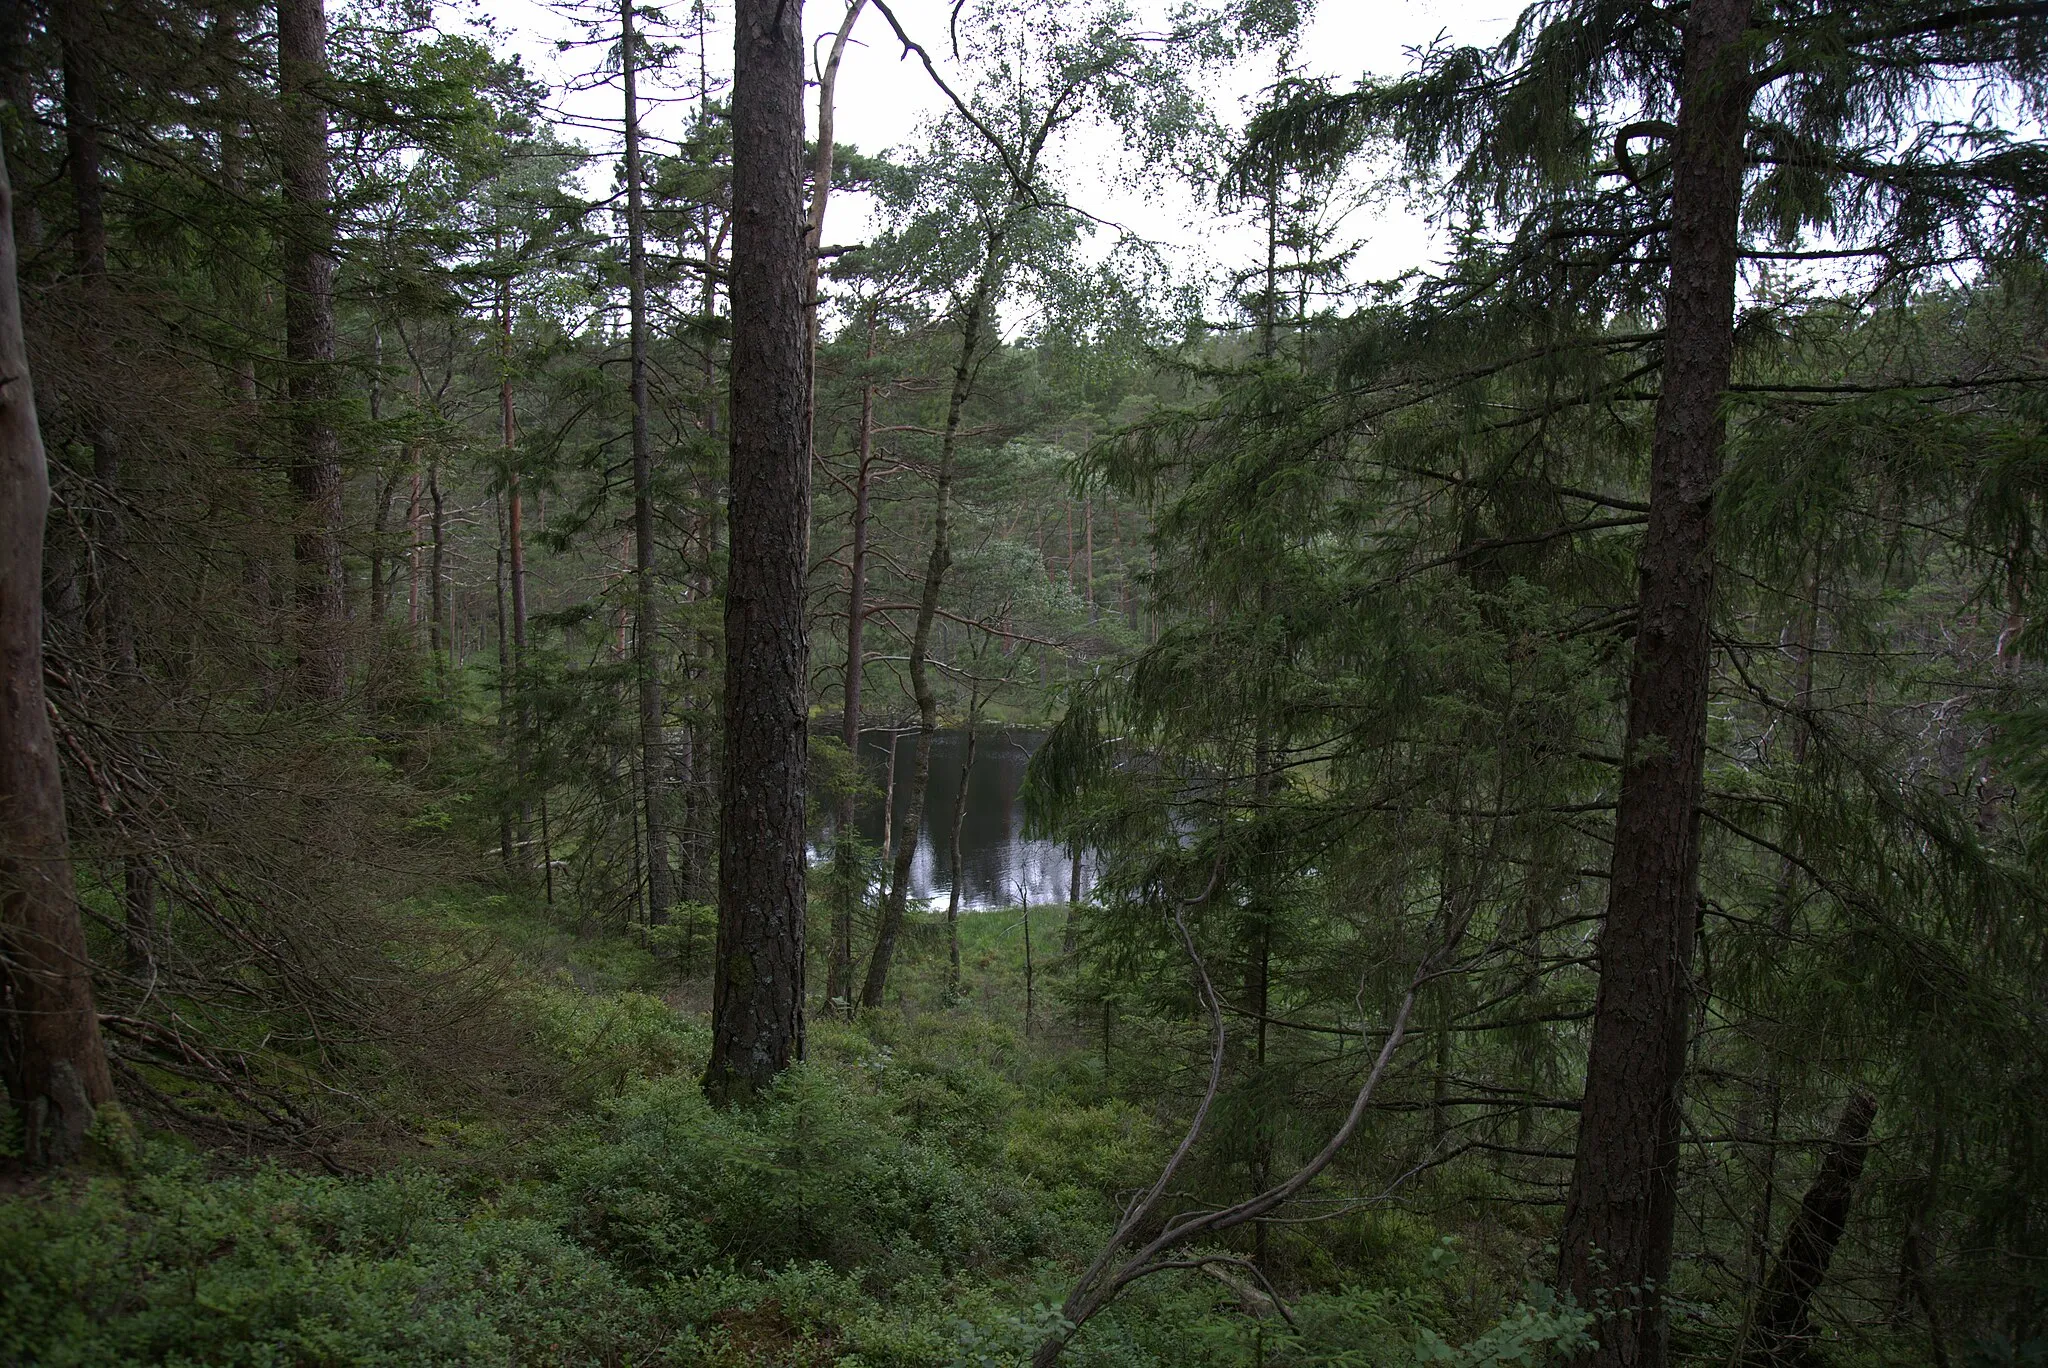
(920,1192)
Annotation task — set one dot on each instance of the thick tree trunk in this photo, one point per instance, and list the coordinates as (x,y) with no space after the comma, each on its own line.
(758,984)
(1616,1243)
(921,688)
(55,1064)
(309,345)
(1782,1331)
(647,620)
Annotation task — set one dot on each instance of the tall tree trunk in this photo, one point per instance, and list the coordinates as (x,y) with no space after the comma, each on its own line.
(110,608)
(839,979)
(699,819)
(978,305)
(55,1064)
(758,984)
(515,551)
(1619,1214)
(437,594)
(507,838)
(821,186)
(17,28)
(1783,1329)
(309,345)
(647,621)
(1088,554)
(412,550)
(380,589)
(112,603)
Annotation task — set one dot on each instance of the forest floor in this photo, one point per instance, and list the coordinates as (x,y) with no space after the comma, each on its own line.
(920,1192)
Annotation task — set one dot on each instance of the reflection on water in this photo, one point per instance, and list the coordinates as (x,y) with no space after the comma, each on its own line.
(998,866)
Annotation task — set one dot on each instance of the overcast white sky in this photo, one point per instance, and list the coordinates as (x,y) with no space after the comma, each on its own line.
(882,99)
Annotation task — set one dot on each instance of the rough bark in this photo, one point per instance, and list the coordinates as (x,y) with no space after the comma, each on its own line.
(1782,1330)
(758,979)
(56,1066)
(308,249)
(646,612)
(1615,1248)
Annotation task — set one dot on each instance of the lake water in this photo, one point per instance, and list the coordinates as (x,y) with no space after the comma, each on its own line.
(998,866)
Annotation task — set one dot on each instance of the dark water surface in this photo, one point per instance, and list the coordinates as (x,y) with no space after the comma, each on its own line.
(998,866)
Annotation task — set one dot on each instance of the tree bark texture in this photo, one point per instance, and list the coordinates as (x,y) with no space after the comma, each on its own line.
(758,979)
(1782,1331)
(56,1066)
(1615,1249)
(309,345)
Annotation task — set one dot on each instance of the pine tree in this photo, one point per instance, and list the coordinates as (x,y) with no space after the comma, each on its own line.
(758,986)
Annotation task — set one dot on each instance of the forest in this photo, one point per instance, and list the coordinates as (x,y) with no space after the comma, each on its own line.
(634,731)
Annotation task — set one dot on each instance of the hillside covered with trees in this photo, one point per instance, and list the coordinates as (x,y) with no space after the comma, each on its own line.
(521,584)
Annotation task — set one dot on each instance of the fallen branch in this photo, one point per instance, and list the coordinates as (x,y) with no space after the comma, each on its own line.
(1106,1278)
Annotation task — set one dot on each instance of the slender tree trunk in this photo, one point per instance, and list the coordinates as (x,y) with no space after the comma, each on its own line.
(978,305)
(1783,1330)
(959,819)
(112,603)
(138,908)
(55,1064)
(17,25)
(1619,1215)
(515,550)
(110,606)
(839,980)
(758,984)
(821,186)
(387,490)
(647,621)
(507,840)
(1088,553)
(412,550)
(515,500)
(437,594)
(1030,972)
(309,346)
(380,531)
